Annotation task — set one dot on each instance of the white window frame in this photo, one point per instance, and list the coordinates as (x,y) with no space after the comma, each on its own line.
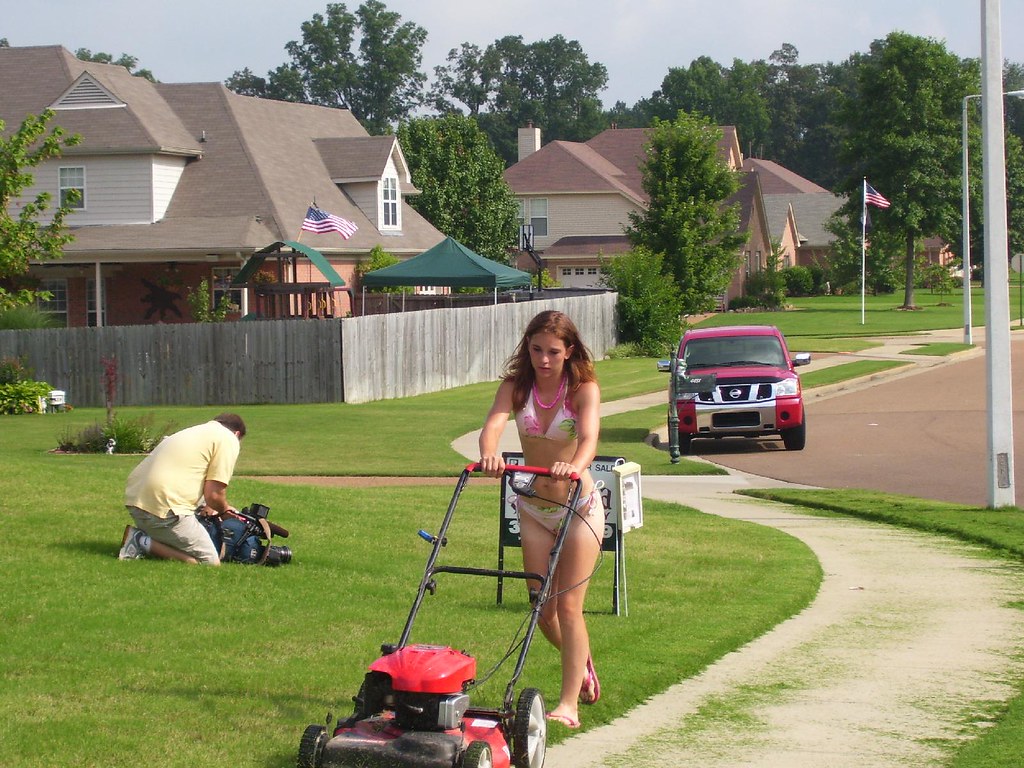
(221,284)
(389,202)
(57,305)
(90,302)
(539,216)
(71,177)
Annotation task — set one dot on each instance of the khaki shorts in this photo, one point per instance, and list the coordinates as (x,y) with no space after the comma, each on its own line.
(184,533)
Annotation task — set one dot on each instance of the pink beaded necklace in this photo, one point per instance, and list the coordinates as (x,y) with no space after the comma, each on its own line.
(553,403)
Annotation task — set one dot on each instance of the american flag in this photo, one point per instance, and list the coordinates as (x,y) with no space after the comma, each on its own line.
(873,197)
(320,221)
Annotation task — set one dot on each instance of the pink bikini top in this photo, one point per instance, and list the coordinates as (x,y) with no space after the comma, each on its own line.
(563,425)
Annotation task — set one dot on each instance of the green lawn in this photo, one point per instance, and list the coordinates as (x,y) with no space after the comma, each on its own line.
(109,663)
(830,317)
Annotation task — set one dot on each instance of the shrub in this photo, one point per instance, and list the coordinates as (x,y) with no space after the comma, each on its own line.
(128,436)
(23,397)
(200,301)
(25,316)
(620,351)
(650,302)
(799,281)
(767,288)
(744,302)
(819,277)
(14,369)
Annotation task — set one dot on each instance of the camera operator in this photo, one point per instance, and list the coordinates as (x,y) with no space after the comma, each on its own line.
(186,474)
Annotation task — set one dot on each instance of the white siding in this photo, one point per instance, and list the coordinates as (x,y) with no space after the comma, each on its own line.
(166,174)
(118,189)
(584,215)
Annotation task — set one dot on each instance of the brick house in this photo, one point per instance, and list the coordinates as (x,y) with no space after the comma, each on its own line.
(578,197)
(181,182)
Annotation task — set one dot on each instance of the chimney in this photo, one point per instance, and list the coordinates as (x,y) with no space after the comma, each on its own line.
(529,140)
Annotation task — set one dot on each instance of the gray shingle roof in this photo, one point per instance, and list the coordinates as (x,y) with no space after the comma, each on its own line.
(812,211)
(255,166)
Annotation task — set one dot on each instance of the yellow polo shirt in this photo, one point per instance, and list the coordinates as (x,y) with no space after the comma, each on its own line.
(172,477)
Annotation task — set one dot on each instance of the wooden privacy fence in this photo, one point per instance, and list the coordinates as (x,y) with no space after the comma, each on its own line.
(295,361)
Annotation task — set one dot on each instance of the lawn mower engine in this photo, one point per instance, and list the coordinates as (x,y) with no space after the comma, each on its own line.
(412,711)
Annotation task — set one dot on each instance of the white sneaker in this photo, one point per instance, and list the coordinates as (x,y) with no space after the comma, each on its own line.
(130,549)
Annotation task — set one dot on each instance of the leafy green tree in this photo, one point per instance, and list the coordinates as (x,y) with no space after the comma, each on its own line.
(768,286)
(200,301)
(281,84)
(687,218)
(379,79)
(904,136)
(649,306)
(125,60)
(464,193)
(23,238)
(845,260)
(726,96)
(1015,192)
(550,83)
(805,132)
(378,259)
(782,110)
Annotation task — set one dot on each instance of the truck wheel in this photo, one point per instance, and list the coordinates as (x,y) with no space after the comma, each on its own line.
(530,732)
(685,438)
(794,439)
(478,755)
(312,746)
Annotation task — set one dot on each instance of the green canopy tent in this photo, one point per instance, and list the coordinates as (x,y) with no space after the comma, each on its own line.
(450,264)
(276,299)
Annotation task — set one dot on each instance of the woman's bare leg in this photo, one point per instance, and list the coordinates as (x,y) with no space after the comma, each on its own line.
(562,620)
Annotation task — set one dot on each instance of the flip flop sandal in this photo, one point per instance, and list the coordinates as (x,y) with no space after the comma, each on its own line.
(591,690)
(565,720)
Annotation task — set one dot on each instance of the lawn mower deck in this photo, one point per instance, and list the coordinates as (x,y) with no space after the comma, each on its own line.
(413,708)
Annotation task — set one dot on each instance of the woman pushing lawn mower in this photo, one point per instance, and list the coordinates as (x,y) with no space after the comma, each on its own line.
(550,387)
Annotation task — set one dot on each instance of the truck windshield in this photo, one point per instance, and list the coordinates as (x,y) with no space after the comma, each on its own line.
(724,351)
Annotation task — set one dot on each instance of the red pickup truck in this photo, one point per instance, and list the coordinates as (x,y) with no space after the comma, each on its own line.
(738,381)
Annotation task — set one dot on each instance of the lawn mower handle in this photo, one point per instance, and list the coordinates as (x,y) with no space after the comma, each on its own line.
(475,467)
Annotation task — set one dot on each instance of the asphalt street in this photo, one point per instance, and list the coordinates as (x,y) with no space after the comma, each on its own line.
(922,433)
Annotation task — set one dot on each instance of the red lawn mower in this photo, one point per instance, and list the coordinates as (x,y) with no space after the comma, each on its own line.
(413,708)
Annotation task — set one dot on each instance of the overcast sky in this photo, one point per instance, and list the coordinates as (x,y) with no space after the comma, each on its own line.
(637,40)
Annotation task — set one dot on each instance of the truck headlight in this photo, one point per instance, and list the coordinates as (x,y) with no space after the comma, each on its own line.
(788,387)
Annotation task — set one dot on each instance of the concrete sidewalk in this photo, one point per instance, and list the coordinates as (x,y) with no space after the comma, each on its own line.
(908,633)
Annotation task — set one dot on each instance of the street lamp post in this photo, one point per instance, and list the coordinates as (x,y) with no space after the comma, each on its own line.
(966,248)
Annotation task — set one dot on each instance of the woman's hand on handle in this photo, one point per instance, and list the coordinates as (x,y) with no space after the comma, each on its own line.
(492,466)
(563,470)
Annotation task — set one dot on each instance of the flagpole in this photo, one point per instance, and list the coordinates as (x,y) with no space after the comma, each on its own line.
(863,235)
(312,205)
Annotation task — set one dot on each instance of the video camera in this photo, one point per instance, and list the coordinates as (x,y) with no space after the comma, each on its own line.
(246,537)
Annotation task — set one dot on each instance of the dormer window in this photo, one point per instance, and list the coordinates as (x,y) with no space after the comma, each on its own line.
(389,202)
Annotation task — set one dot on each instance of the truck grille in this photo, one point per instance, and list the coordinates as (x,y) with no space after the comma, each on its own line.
(737,393)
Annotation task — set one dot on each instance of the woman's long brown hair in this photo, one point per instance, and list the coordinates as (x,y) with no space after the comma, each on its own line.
(579,367)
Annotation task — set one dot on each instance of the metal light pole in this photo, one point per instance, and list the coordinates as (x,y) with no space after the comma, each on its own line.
(966,249)
(997,300)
